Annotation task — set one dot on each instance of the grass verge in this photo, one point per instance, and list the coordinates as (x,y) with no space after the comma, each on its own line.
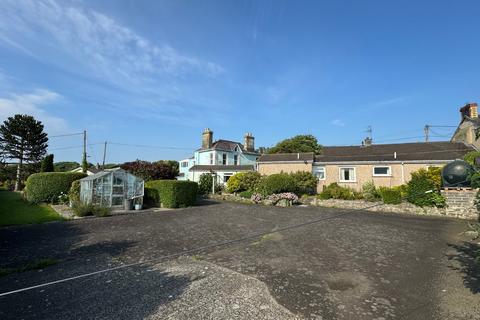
(15,210)
(34,265)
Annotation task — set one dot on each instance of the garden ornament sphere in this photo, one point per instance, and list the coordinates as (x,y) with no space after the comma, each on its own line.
(456,173)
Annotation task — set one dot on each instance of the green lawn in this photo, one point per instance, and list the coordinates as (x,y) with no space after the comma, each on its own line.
(15,210)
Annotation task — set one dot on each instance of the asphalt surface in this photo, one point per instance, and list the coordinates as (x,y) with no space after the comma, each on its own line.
(349,266)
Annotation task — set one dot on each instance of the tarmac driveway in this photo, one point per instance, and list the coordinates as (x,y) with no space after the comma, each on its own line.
(348,266)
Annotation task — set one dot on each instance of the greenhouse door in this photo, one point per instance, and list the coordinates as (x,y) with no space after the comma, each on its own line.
(118,190)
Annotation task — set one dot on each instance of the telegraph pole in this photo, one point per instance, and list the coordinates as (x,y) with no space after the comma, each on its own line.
(426,129)
(104,155)
(84,160)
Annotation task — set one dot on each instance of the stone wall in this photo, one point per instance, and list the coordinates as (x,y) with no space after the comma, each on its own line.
(461,203)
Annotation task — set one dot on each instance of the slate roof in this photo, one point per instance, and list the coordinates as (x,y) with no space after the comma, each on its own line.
(287,157)
(243,167)
(227,145)
(419,151)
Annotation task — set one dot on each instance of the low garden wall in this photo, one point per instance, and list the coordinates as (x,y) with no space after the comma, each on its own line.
(461,203)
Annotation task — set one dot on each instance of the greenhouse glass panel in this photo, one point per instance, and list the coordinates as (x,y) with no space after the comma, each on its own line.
(111,188)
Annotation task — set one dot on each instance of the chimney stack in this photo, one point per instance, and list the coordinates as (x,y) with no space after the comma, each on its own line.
(207,138)
(249,142)
(367,142)
(469,110)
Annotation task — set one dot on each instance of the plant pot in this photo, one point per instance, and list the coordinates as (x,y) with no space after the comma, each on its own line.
(138,206)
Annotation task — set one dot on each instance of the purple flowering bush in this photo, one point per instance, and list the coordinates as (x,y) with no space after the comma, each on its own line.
(289,196)
(256,197)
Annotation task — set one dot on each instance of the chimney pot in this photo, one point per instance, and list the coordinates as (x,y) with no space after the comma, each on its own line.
(469,110)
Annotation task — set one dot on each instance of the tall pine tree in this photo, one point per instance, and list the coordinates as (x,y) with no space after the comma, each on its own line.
(22,138)
(47,163)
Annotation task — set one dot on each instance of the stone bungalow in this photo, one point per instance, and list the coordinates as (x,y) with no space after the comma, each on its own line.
(352,166)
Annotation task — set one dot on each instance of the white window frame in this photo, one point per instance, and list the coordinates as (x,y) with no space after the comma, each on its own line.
(389,174)
(211,155)
(235,159)
(340,178)
(224,159)
(324,169)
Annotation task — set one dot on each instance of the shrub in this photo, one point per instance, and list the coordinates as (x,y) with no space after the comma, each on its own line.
(421,182)
(390,195)
(370,192)
(305,181)
(277,183)
(43,187)
(471,156)
(74,192)
(246,194)
(83,210)
(151,196)
(242,181)
(289,196)
(334,191)
(173,193)
(205,184)
(47,164)
(256,197)
(475,180)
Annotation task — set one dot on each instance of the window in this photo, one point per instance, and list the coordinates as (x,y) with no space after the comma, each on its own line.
(184,164)
(211,158)
(226,176)
(384,171)
(235,159)
(347,174)
(319,172)
(224,159)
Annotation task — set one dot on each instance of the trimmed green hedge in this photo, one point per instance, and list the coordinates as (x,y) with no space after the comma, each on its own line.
(390,195)
(171,193)
(277,183)
(47,186)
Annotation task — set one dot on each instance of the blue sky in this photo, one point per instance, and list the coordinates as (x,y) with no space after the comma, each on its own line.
(157,72)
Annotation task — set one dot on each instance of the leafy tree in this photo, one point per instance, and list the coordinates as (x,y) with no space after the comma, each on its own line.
(205,184)
(64,166)
(47,164)
(160,170)
(299,143)
(22,138)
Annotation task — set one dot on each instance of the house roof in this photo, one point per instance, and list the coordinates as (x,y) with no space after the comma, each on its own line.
(287,157)
(420,151)
(222,167)
(227,145)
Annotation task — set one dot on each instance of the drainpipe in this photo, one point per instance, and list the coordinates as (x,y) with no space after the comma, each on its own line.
(403,174)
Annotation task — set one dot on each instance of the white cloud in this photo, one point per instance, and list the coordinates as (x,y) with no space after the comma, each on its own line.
(34,104)
(338,123)
(106,48)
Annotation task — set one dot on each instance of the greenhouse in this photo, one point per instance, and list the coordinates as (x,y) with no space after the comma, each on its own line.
(111,188)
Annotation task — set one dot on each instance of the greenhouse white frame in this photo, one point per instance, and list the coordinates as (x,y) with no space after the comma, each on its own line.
(111,188)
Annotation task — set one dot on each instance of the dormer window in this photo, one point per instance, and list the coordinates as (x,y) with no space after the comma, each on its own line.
(236,149)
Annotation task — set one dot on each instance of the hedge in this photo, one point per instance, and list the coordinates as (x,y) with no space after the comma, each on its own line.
(47,186)
(243,181)
(171,193)
(277,183)
(390,195)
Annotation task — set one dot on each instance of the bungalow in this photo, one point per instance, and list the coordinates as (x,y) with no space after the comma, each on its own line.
(352,166)
(90,171)
(222,158)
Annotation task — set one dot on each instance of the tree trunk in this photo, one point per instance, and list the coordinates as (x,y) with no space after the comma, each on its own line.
(19,172)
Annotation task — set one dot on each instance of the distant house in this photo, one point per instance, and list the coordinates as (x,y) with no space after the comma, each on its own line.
(222,158)
(468,130)
(90,171)
(351,166)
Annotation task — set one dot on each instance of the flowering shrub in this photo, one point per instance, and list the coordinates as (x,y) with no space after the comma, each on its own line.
(289,196)
(256,197)
(62,198)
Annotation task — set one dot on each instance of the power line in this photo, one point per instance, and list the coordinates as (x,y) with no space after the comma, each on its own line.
(74,147)
(66,135)
(149,146)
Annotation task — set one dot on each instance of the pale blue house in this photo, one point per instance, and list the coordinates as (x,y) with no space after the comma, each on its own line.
(222,158)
